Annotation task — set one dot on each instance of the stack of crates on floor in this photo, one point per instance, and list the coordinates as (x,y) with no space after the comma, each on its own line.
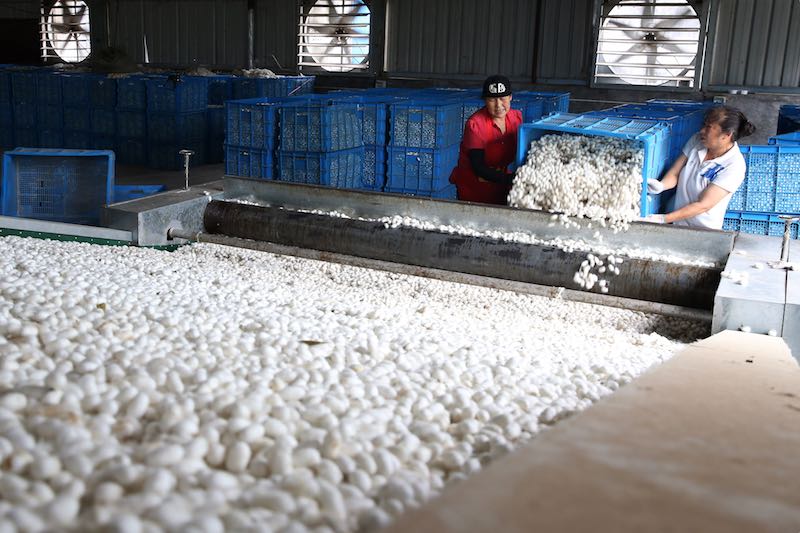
(321,142)
(131,128)
(375,131)
(220,90)
(788,119)
(251,138)
(6,110)
(90,117)
(176,120)
(423,148)
(651,135)
(24,84)
(771,187)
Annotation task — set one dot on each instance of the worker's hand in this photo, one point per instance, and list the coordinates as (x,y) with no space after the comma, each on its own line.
(654,186)
(654,219)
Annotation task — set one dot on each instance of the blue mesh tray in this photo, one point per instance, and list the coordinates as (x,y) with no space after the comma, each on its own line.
(250,163)
(220,89)
(786,139)
(374,175)
(272,87)
(123,193)
(342,169)
(131,124)
(176,127)
(420,170)
(59,185)
(251,123)
(131,151)
(317,125)
(652,135)
(177,94)
(426,124)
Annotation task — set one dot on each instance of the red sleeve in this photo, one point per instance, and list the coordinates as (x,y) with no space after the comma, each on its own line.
(473,136)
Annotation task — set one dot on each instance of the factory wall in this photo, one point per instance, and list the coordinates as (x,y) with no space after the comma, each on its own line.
(754,44)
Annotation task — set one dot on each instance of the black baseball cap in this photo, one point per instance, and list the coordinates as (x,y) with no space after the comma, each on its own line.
(495,86)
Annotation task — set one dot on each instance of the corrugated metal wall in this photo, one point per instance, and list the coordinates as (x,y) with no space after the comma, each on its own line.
(566,41)
(205,32)
(461,37)
(755,43)
(19,9)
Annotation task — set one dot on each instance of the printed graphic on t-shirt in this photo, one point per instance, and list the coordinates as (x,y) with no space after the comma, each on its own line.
(711,172)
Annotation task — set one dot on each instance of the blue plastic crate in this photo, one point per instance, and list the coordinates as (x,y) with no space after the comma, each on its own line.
(653,136)
(788,202)
(420,124)
(312,125)
(683,123)
(49,117)
(177,94)
(77,140)
(77,119)
(760,201)
(737,200)
(51,138)
(786,139)
(25,115)
(252,123)
(788,118)
(215,134)
(420,171)
(5,86)
(342,169)
(250,163)
(532,109)
(103,122)
(48,88)
(28,137)
(6,138)
(89,90)
(132,92)
(6,115)
(23,85)
(131,124)
(123,193)
(176,127)
(59,185)
(754,223)
(131,151)
(778,226)
(732,221)
(374,175)
(100,142)
(375,125)
(272,87)
(220,89)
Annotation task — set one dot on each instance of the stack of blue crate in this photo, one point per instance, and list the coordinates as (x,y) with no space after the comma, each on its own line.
(788,118)
(176,120)
(220,90)
(6,111)
(321,142)
(49,109)
(24,82)
(423,147)
(251,138)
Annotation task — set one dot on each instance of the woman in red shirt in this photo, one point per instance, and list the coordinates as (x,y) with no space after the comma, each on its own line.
(488,147)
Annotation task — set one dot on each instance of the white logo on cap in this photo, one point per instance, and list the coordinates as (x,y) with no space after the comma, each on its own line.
(496,88)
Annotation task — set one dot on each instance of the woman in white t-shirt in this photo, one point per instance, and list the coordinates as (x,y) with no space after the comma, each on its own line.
(707,173)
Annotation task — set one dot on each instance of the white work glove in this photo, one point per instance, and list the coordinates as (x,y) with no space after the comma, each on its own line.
(654,186)
(654,219)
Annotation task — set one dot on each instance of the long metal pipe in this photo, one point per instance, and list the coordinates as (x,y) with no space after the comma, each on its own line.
(251,33)
(446,275)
